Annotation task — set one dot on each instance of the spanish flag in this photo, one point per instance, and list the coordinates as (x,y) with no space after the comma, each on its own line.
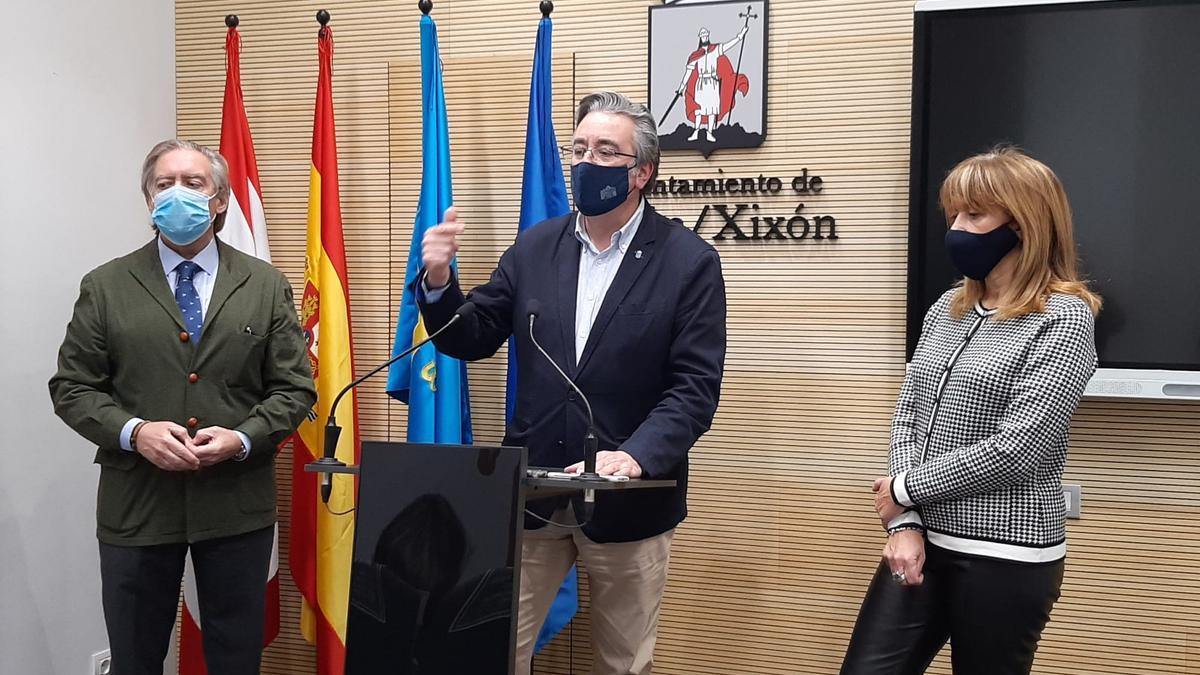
(321,540)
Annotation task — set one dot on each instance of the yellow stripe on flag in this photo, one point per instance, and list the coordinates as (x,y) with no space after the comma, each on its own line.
(335,533)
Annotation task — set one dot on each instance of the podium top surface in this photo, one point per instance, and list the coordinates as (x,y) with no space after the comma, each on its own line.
(602,484)
(540,484)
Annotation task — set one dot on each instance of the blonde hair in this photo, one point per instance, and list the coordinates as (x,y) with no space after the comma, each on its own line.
(1010,180)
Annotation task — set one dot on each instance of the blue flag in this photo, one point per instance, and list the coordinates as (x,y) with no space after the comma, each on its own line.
(543,191)
(543,195)
(432,384)
(565,604)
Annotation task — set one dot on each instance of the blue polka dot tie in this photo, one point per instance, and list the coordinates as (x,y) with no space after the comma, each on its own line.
(189,299)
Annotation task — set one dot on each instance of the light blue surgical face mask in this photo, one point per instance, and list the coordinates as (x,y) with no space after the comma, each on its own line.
(181,214)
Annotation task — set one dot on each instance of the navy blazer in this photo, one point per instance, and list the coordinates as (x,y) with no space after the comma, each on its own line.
(651,367)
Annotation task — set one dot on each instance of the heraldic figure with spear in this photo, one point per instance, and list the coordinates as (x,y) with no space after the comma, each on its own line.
(711,83)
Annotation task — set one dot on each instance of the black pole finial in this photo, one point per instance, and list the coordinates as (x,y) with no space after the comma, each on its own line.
(322,17)
(426,6)
(546,8)
(231,20)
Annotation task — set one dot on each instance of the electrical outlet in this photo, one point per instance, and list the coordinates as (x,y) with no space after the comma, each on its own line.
(1073,494)
(102,663)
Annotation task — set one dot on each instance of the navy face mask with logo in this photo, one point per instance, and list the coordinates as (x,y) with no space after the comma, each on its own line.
(599,189)
(976,255)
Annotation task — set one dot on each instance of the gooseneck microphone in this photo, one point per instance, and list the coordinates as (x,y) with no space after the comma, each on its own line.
(590,442)
(333,432)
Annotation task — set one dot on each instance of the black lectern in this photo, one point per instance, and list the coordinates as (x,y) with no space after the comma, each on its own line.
(433,587)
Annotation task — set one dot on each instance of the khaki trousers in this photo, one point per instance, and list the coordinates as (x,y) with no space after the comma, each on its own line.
(625,582)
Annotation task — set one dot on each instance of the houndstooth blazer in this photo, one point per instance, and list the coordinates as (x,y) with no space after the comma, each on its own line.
(979,436)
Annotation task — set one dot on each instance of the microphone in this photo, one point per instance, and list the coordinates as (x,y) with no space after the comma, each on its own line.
(333,432)
(590,442)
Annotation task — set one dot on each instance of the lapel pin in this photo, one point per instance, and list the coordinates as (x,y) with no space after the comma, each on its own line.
(638,254)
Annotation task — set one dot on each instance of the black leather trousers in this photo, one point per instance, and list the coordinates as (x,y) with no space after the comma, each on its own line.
(991,611)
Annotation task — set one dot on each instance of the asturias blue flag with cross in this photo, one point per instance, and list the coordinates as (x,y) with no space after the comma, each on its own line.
(433,384)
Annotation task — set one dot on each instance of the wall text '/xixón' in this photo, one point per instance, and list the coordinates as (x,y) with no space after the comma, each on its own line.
(744,221)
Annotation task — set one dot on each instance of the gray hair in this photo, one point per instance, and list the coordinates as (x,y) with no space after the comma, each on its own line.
(645,131)
(219,169)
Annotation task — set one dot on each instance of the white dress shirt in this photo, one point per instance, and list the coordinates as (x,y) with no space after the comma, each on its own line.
(597,269)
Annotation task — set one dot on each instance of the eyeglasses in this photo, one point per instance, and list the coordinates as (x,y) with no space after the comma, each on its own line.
(603,155)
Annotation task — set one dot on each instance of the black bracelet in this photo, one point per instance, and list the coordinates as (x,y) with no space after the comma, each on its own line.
(133,435)
(905,526)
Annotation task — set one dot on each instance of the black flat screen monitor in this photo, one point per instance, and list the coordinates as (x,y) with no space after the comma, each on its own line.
(1108,95)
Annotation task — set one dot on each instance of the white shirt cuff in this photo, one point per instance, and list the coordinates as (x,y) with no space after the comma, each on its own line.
(906,518)
(127,434)
(245,452)
(900,490)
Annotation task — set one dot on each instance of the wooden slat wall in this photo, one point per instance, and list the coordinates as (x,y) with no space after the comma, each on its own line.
(769,569)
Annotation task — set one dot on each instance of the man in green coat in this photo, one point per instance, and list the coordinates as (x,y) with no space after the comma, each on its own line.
(185,364)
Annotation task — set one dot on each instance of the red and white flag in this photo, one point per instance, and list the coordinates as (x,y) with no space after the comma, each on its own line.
(246,230)
(245,223)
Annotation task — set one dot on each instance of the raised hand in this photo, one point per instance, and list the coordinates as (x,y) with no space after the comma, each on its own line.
(439,247)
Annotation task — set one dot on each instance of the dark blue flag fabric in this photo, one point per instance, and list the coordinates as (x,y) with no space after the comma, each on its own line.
(543,195)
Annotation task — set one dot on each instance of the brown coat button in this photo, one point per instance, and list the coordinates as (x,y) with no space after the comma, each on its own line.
(183,336)
(192,422)
(193,378)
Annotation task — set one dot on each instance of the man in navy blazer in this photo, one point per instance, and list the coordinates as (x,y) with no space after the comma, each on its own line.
(632,307)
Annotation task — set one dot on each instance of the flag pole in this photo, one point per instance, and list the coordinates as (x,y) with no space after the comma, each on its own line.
(232,21)
(323,19)
(546,8)
(426,6)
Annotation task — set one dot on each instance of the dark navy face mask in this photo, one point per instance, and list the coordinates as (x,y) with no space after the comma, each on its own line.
(976,255)
(599,189)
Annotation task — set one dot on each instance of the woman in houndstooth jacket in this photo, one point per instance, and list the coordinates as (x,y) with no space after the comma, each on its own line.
(973,505)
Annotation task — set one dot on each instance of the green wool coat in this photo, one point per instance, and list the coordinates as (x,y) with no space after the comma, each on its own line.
(126,355)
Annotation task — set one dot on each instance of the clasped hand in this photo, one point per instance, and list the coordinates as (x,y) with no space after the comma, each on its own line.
(168,446)
(885,506)
(904,552)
